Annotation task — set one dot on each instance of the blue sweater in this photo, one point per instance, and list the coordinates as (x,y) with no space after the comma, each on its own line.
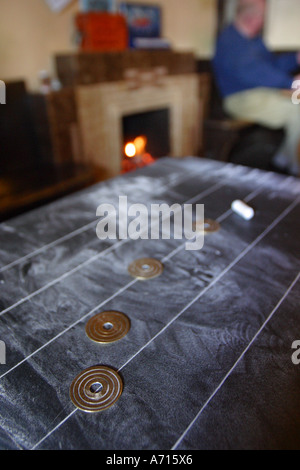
(242,64)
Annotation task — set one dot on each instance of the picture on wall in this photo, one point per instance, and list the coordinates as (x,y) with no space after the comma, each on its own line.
(144,21)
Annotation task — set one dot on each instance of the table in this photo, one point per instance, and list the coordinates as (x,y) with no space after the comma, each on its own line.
(207,363)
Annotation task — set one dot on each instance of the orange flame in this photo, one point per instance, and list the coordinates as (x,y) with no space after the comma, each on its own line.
(130,150)
(137,147)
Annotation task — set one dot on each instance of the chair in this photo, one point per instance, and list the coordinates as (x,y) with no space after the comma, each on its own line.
(238,141)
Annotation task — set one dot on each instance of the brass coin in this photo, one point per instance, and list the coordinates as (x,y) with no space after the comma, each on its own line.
(96,389)
(108,327)
(145,269)
(208,226)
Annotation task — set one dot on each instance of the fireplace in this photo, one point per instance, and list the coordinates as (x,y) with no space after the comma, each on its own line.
(154,125)
(104,108)
(146,137)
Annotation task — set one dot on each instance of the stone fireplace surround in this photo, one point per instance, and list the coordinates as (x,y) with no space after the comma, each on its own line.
(101,108)
(85,116)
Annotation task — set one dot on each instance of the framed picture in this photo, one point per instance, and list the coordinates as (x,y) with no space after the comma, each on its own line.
(143,21)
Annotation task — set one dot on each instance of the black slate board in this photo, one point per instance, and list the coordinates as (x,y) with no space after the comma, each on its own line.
(207,362)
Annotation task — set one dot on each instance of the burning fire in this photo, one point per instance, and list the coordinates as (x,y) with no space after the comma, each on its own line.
(136,154)
(136,148)
(130,150)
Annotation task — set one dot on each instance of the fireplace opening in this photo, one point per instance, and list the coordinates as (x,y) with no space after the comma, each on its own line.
(146,137)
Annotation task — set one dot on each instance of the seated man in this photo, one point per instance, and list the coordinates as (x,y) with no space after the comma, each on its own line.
(252,80)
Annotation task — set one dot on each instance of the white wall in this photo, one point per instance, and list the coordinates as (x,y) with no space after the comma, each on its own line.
(283,25)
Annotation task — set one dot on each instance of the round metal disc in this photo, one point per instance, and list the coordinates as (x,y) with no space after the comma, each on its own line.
(96,389)
(208,226)
(146,268)
(108,327)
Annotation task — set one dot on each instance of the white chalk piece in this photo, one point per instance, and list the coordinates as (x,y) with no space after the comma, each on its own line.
(242,209)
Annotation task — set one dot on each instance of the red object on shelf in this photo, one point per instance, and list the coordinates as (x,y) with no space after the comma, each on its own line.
(102,31)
